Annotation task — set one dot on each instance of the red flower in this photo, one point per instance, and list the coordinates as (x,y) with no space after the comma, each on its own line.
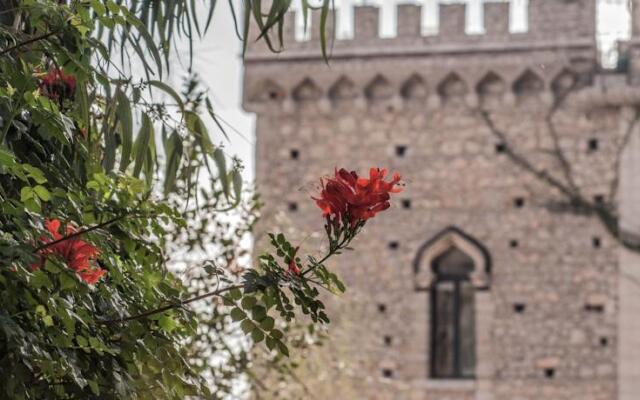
(76,253)
(57,85)
(351,198)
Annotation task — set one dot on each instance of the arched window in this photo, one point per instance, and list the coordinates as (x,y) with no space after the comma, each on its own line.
(453,353)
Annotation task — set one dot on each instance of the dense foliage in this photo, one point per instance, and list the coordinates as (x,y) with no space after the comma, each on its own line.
(101,183)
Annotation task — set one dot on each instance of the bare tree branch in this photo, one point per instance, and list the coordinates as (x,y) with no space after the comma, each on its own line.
(574,201)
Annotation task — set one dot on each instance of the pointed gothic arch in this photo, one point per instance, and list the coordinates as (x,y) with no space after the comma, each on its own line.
(448,238)
(378,89)
(414,88)
(452,89)
(528,85)
(343,89)
(307,90)
(268,90)
(490,89)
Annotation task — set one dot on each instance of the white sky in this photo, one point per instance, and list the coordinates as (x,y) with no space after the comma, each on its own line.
(217,56)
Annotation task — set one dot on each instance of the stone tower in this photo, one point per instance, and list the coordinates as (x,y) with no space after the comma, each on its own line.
(474,286)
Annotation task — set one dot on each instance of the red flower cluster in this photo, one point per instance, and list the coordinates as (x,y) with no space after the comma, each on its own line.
(57,85)
(352,198)
(76,253)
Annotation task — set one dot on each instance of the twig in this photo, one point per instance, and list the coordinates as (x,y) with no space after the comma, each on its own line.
(29,41)
(170,306)
(81,232)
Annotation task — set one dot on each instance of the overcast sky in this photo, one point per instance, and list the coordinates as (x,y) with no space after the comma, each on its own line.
(217,57)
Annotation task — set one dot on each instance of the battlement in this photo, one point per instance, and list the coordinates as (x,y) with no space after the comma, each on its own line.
(564,23)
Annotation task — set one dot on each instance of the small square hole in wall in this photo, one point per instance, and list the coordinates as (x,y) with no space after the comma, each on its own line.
(518,202)
(406,204)
(592,145)
(604,341)
(294,153)
(393,245)
(401,150)
(388,340)
(595,242)
(519,308)
(293,206)
(501,148)
(382,308)
(387,373)
(594,308)
(549,373)
(598,199)
(513,244)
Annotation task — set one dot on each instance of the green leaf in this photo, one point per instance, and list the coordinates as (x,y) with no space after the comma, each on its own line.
(167,323)
(271,343)
(173,151)
(41,310)
(123,111)
(168,90)
(247,326)
(26,193)
(267,324)
(221,163)
(48,321)
(42,192)
(142,144)
(237,184)
(237,314)
(235,294)
(248,302)
(257,335)
(277,334)
(258,313)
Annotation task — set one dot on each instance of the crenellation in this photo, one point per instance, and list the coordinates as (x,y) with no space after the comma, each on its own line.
(366,22)
(562,19)
(330,24)
(453,21)
(409,18)
(496,19)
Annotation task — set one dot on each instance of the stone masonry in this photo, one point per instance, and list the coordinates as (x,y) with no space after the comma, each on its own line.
(552,310)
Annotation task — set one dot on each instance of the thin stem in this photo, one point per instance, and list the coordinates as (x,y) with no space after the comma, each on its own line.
(29,41)
(80,232)
(170,306)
